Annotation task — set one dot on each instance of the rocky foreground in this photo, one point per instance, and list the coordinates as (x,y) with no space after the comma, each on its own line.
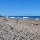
(17,31)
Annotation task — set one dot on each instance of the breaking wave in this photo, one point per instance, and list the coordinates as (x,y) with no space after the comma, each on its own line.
(26,17)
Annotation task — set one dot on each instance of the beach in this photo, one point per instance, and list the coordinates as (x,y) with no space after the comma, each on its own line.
(11,29)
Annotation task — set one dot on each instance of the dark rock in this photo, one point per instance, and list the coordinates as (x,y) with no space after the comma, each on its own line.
(11,28)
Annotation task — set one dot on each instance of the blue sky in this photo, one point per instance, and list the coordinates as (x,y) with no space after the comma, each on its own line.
(20,7)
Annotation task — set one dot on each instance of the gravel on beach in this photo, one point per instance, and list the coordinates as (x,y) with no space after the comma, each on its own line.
(18,31)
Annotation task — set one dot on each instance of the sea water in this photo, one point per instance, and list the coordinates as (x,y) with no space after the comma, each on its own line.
(25,17)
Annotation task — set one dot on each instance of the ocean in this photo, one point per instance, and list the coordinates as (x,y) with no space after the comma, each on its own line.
(25,17)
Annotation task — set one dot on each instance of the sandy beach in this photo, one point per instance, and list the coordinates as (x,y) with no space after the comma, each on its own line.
(11,29)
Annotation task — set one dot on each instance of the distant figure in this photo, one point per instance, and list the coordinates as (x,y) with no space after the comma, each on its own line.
(32,23)
(7,18)
(4,19)
(17,21)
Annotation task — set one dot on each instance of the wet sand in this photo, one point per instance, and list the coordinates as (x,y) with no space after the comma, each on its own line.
(19,29)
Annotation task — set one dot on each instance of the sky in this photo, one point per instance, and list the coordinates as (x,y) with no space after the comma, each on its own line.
(20,7)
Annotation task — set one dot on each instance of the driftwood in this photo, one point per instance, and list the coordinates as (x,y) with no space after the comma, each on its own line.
(34,24)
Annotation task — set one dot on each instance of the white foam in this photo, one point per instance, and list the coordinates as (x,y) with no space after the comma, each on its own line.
(7,17)
(25,17)
(12,17)
(36,18)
